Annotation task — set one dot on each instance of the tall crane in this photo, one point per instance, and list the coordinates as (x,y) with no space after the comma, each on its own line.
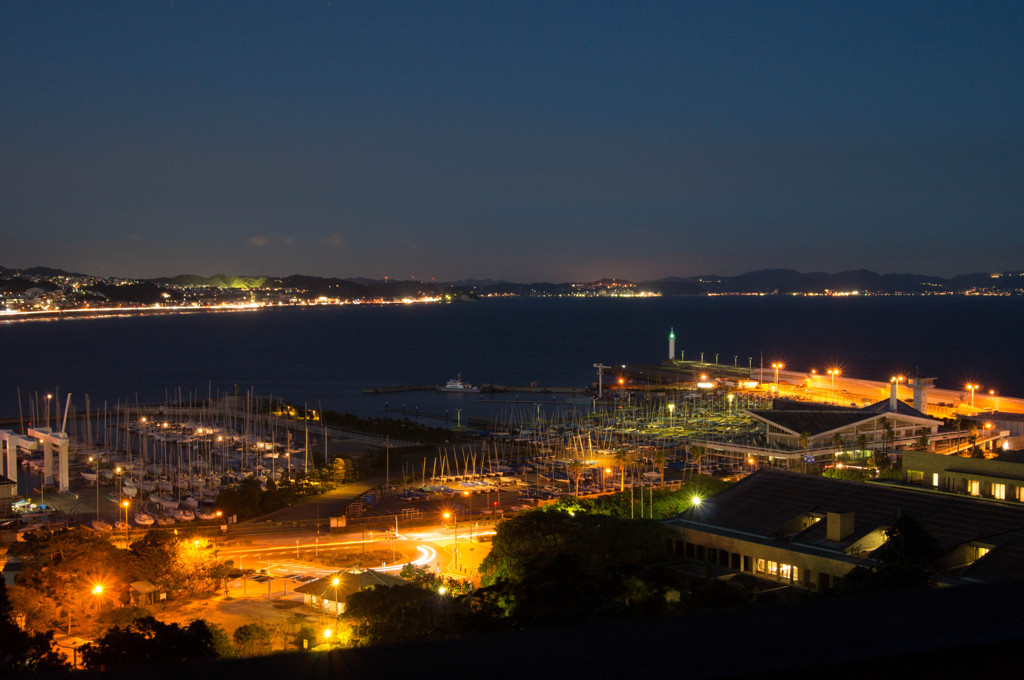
(600,371)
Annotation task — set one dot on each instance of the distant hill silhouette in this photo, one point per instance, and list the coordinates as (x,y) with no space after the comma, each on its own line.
(763,281)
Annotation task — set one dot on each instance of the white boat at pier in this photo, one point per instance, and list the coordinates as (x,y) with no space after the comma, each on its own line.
(456,385)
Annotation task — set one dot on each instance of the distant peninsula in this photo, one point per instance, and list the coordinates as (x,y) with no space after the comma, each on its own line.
(42,289)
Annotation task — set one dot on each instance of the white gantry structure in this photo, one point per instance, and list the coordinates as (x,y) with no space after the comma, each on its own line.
(9,445)
(50,439)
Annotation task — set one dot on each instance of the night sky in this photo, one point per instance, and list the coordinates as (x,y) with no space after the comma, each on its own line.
(547,141)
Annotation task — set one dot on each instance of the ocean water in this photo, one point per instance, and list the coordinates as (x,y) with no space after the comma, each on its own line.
(325,356)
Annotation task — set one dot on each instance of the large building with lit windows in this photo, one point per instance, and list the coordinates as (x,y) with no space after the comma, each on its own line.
(808,531)
(1000,478)
(800,435)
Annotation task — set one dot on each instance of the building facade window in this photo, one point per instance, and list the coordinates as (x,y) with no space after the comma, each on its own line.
(974,487)
(999,491)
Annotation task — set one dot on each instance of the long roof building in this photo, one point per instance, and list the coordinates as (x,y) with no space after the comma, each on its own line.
(808,531)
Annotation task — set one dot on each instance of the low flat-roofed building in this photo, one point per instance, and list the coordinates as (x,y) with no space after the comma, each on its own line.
(1000,478)
(323,595)
(809,531)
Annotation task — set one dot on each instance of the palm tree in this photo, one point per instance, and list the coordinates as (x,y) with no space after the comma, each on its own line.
(659,462)
(697,453)
(621,458)
(837,444)
(959,424)
(576,468)
(888,434)
(862,442)
(805,443)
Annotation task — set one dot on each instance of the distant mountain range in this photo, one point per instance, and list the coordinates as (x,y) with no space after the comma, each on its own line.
(766,281)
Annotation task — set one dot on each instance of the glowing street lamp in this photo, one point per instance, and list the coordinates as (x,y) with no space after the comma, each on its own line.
(972,388)
(337,604)
(730,397)
(777,365)
(833,372)
(97,593)
(671,410)
(456,519)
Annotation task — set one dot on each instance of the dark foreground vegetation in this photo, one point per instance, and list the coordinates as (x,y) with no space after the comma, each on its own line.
(573,562)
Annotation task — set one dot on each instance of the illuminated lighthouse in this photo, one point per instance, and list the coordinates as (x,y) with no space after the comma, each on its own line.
(672,343)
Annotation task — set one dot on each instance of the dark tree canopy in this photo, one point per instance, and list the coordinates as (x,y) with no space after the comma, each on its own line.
(906,560)
(22,652)
(559,567)
(148,641)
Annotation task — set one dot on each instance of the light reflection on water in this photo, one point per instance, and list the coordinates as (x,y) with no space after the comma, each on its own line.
(324,357)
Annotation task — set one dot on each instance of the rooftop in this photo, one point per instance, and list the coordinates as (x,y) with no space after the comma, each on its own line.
(765,504)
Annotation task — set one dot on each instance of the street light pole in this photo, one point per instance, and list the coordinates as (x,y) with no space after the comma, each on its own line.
(777,365)
(125,504)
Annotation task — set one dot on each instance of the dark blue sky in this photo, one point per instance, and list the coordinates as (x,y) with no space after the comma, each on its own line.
(526,141)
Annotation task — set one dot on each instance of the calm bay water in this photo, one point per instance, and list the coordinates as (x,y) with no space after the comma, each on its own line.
(327,355)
